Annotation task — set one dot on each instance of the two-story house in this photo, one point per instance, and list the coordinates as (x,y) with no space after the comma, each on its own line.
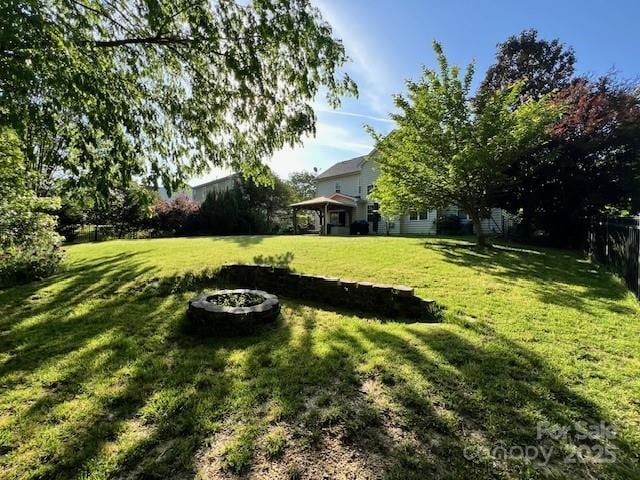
(200,192)
(343,198)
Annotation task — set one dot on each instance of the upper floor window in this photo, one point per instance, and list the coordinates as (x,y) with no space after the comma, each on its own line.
(369,188)
(337,187)
(359,189)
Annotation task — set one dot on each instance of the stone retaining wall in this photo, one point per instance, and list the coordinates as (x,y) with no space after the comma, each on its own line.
(394,301)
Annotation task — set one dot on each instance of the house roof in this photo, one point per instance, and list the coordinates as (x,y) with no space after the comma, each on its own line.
(337,199)
(346,167)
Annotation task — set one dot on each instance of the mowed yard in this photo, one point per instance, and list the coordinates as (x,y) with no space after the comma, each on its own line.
(98,380)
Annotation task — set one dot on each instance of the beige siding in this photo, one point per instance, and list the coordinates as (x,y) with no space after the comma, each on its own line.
(395,226)
(493,224)
(361,211)
(348,185)
(420,227)
(339,230)
(490,225)
(368,176)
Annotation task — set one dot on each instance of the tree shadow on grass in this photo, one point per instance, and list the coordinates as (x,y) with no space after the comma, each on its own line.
(115,388)
(464,395)
(242,240)
(278,260)
(559,277)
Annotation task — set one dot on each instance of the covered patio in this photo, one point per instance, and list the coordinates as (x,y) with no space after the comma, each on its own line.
(324,206)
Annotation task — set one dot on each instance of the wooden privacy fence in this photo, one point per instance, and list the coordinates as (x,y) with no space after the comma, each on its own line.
(615,243)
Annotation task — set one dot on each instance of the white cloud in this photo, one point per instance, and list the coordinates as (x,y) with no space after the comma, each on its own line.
(341,138)
(321,108)
(374,83)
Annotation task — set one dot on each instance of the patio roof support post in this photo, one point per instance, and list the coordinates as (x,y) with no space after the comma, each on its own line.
(326,217)
(295,221)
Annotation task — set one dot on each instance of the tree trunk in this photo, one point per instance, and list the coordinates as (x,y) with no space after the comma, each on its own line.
(477,226)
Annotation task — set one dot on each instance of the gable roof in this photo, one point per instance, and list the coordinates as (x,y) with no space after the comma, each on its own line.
(337,199)
(346,167)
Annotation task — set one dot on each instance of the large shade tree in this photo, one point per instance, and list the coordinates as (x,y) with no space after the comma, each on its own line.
(446,151)
(106,90)
(544,65)
(590,165)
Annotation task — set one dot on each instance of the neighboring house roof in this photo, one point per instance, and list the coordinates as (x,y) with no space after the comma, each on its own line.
(217,180)
(347,167)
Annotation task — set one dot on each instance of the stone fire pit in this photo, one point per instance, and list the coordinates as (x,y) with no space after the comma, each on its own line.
(231,312)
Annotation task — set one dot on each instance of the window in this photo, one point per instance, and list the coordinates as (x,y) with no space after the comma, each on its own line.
(369,188)
(462,214)
(339,219)
(415,216)
(372,213)
(359,189)
(337,187)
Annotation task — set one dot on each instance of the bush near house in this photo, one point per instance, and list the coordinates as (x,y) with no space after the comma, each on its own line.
(359,227)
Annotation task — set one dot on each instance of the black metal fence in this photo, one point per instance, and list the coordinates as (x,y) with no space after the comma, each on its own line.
(615,243)
(98,233)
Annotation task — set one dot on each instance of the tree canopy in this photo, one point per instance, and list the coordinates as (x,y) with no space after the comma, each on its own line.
(590,166)
(543,65)
(107,90)
(446,151)
(303,184)
(591,163)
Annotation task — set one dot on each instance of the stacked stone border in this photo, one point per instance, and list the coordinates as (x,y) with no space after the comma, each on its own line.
(207,318)
(391,301)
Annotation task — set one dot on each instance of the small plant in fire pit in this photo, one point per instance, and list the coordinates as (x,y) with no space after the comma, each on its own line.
(231,312)
(236,299)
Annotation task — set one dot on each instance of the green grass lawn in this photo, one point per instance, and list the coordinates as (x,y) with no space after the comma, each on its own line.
(98,380)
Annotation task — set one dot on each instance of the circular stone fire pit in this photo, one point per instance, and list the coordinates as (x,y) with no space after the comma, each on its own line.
(231,312)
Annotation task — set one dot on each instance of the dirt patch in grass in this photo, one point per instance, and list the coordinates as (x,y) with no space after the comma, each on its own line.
(342,432)
(337,435)
(331,458)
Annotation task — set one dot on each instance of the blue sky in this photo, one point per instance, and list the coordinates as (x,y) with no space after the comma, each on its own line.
(388,41)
